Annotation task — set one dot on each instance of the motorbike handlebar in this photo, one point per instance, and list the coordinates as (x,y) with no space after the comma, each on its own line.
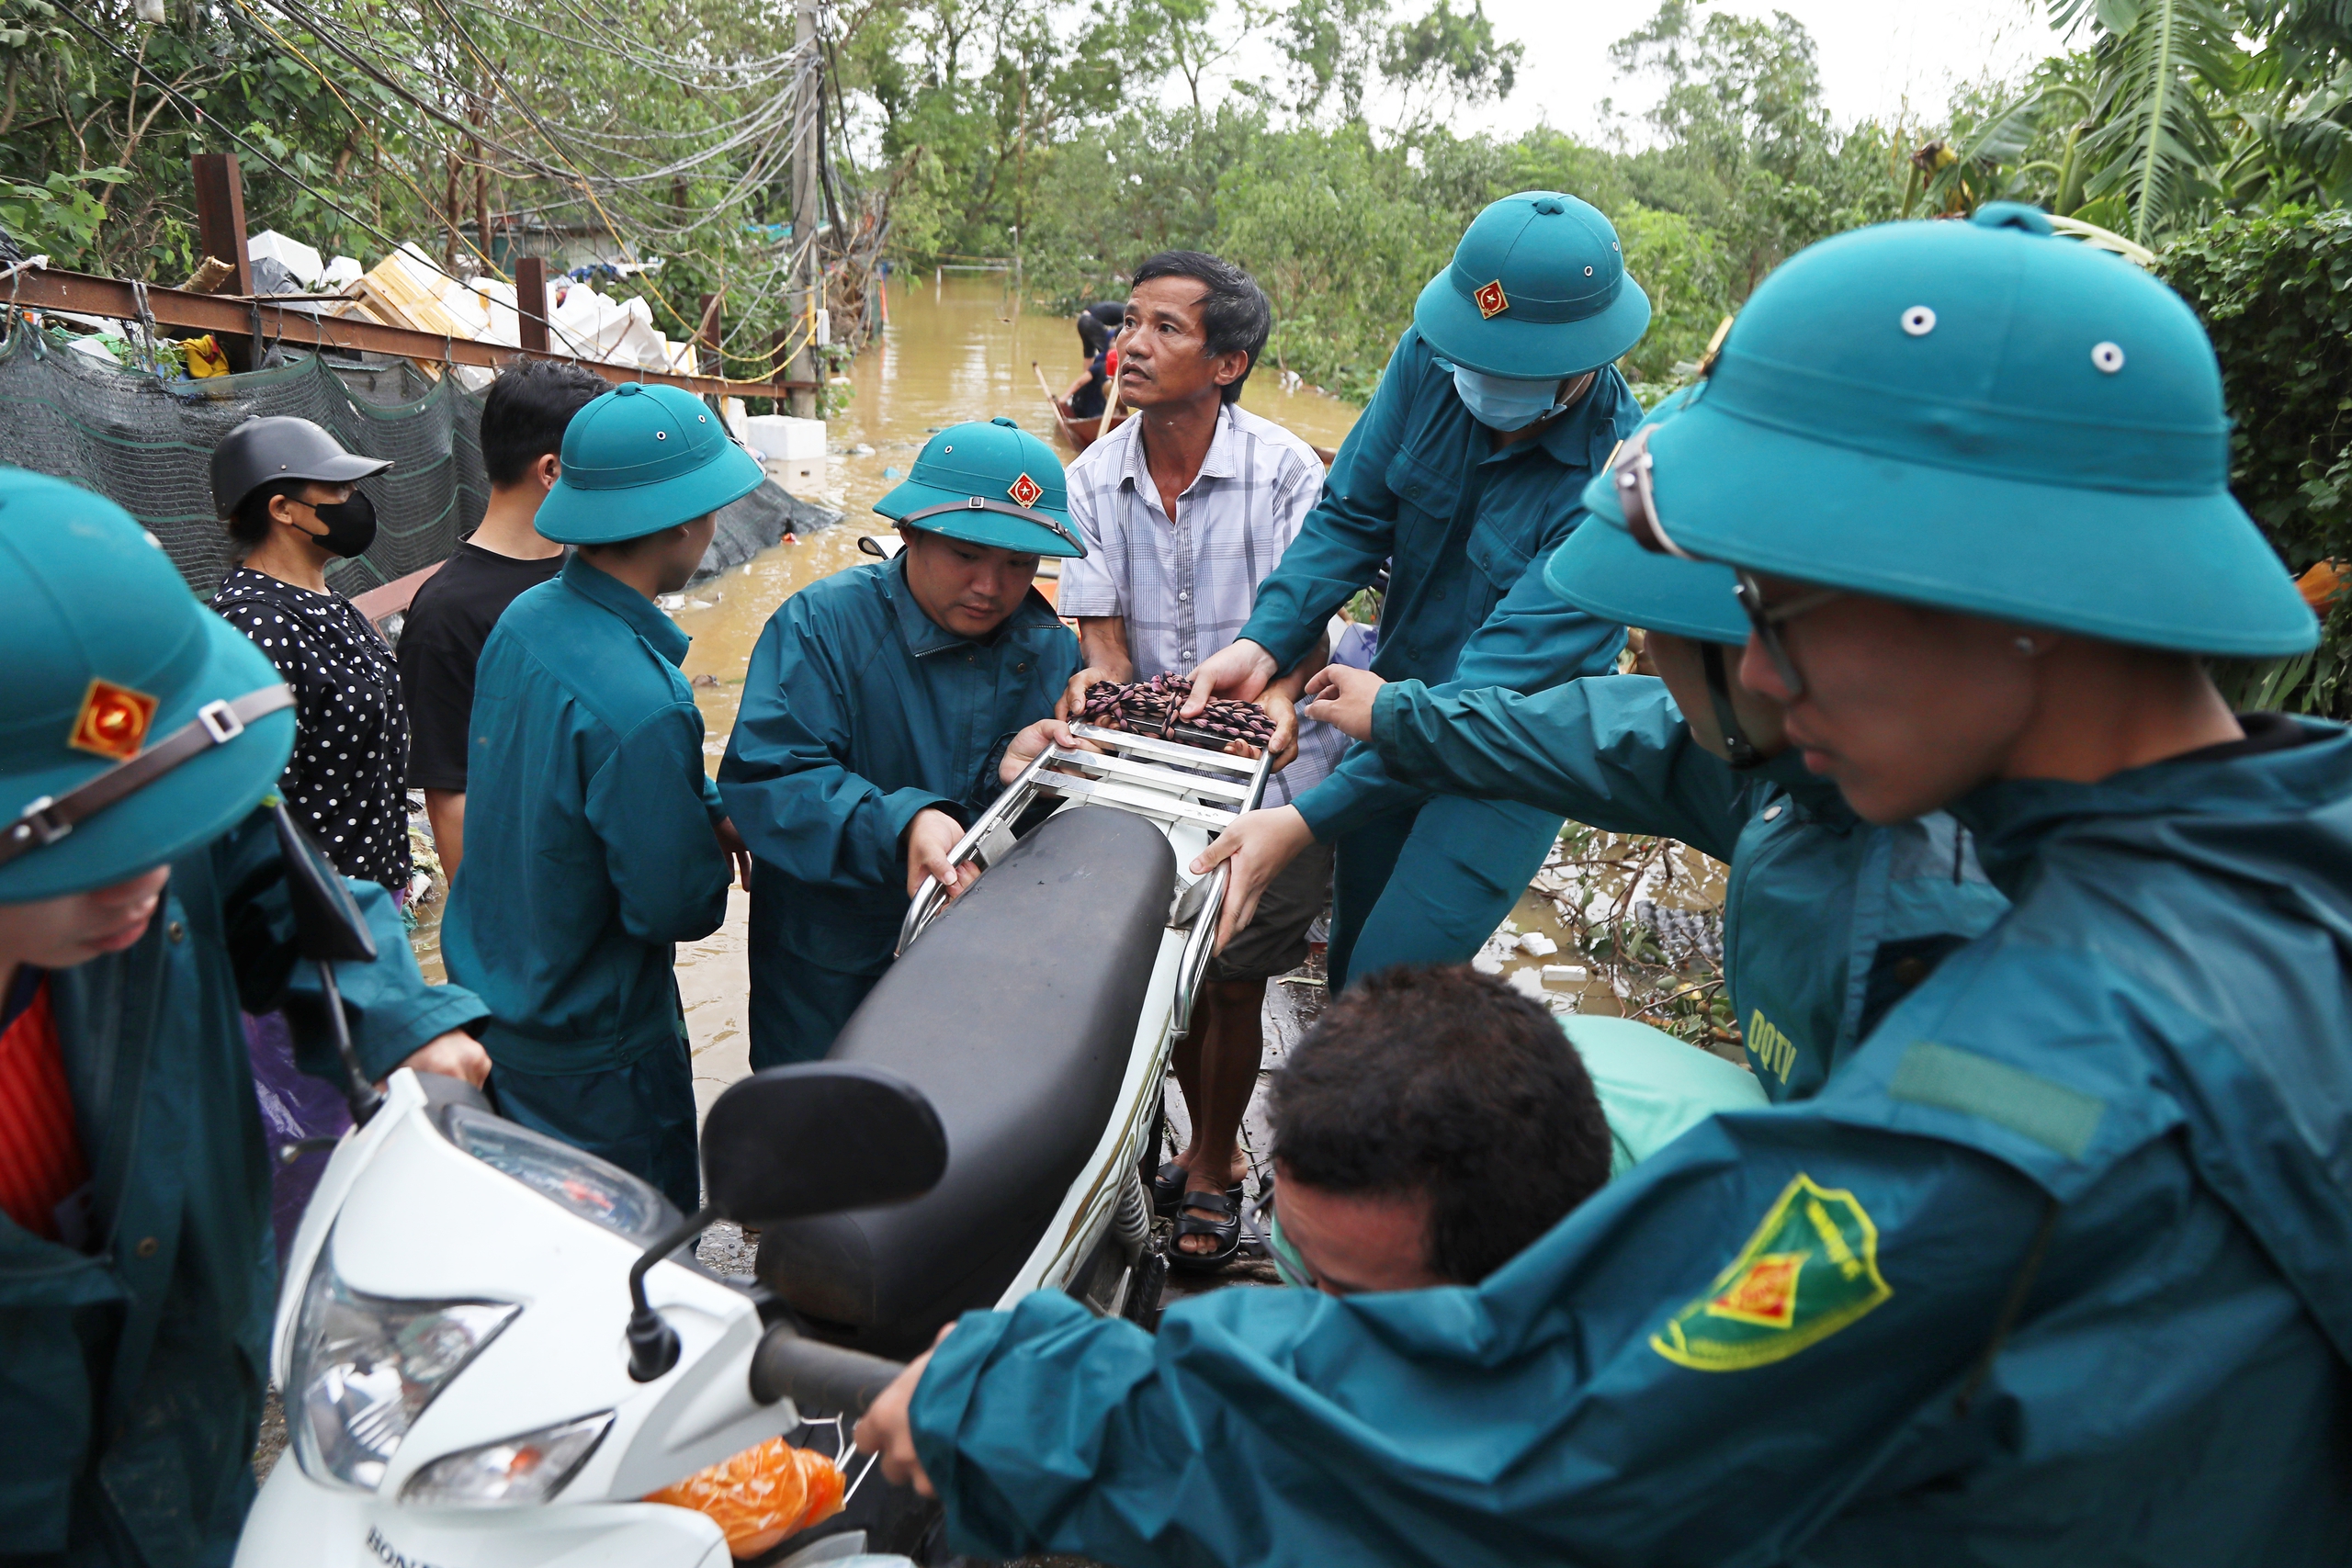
(816,1376)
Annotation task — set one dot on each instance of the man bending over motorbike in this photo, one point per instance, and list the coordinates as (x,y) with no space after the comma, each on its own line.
(1431,1127)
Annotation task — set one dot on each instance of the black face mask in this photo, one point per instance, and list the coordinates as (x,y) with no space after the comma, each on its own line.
(351,524)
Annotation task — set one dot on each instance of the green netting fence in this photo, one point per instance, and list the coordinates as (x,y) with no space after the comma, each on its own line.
(147,443)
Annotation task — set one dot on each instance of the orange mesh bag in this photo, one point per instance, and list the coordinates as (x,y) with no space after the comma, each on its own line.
(762,1495)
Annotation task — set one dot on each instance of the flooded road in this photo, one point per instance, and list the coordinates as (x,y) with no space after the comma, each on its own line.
(953,351)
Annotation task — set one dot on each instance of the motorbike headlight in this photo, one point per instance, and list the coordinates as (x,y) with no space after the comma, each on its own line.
(364,1367)
(587,1186)
(515,1470)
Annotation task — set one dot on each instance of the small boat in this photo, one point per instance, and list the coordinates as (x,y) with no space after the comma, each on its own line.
(1079,431)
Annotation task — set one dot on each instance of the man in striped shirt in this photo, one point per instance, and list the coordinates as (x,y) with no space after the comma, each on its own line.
(1184,509)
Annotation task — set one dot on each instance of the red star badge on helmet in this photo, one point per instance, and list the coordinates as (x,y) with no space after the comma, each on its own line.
(113,721)
(1025,491)
(1491,302)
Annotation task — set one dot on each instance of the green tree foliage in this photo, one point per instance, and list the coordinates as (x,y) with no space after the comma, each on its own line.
(661,131)
(2275,291)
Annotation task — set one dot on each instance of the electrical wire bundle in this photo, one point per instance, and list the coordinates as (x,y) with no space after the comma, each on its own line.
(1149,707)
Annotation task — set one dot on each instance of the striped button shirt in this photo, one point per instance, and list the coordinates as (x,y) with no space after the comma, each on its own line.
(1186,588)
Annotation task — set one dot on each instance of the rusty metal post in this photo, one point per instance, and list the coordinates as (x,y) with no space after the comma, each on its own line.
(531,302)
(221,231)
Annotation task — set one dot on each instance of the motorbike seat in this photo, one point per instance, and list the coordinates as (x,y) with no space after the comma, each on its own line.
(1015,1012)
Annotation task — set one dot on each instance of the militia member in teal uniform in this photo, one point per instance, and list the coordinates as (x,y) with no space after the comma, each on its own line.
(2058,1268)
(141,906)
(1501,400)
(594,839)
(879,705)
(1827,919)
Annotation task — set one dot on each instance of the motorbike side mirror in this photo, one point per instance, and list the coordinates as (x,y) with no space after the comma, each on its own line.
(328,929)
(327,921)
(814,1138)
(819,1138)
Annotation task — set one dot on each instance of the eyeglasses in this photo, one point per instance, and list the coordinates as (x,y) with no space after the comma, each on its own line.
(1288,1265)
(1768,619)
(1633,468)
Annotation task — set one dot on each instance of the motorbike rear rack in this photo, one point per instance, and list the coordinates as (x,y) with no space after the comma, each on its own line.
(1167,781)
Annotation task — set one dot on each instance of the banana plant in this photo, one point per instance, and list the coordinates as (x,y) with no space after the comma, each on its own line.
(1956,177)
(2155,152)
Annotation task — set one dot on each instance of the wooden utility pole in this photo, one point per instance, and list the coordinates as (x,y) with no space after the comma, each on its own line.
(706,337)
(802,302)
(531,301)
(220,230)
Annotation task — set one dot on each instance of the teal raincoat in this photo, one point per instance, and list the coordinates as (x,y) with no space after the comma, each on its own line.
(859,711)
(2057,1269)
(131,1385)
(589,853)
(1466,529)
(1828,921)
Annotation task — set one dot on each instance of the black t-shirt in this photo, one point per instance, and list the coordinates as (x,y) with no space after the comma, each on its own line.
(344,781)
(441,642)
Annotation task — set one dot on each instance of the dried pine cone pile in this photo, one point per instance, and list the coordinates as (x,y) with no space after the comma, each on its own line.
(1149,708)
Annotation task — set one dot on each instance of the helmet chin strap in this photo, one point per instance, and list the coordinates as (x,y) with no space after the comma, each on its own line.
(1743,752)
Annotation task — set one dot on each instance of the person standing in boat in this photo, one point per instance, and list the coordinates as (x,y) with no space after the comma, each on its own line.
(1500,401)
(878,708)
(1184,509)
(1098,334)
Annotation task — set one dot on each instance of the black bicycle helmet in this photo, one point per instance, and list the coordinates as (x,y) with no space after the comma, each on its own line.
(270,448)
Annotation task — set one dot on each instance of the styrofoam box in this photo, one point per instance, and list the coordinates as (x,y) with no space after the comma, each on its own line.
(803,477)
(785,439)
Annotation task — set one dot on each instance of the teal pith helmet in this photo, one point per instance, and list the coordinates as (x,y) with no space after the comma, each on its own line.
(639,459)
(1600,570)
(1537,288)
(987,483)
(1981,417)
(112,660)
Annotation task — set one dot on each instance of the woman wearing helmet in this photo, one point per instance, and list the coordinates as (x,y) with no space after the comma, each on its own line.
(2058,1268)
(290,494)
(141,906)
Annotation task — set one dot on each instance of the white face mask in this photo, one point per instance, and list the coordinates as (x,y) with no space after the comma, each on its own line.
(1509,403)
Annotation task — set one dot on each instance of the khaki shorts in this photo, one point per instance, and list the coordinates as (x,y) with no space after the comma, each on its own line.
(1274,941)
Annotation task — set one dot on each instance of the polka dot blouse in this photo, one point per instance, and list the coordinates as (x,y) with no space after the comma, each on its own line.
(347,781)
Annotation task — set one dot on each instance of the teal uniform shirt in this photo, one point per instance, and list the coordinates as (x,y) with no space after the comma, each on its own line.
(1828,921)
(859,712)
(589,853)
(1465,527)
(132,1386)
(2057,1269)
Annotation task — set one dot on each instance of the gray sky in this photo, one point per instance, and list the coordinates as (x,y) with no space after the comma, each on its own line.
(1876,55)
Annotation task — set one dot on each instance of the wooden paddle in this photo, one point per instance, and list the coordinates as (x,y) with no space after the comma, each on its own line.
(1110,405)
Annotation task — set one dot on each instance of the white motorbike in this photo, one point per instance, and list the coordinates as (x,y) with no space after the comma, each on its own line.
(492,1347)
